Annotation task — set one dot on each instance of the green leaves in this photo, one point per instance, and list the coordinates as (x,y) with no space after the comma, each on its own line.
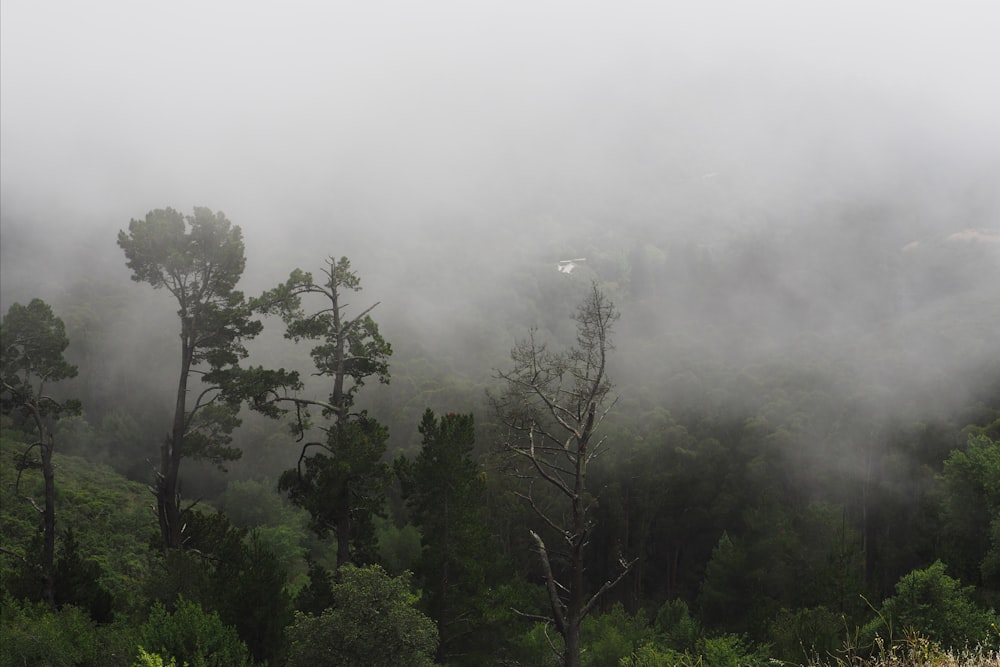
(971,507)
(199,259)
(206,261)
(349,348)
(372,622)
(192,636)
(938,607)
(32,342)
(341,487)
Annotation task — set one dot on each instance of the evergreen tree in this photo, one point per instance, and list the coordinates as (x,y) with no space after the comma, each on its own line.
(32,342)
(199,259)
(342,484)
(444,493)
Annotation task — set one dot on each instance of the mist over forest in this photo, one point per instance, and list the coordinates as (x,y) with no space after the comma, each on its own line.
(795,208)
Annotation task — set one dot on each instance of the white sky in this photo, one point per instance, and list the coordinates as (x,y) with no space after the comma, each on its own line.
(399,110)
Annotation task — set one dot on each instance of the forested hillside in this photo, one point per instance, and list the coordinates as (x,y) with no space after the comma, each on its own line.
(790,462)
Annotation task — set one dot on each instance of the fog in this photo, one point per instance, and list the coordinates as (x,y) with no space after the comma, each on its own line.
(456,151)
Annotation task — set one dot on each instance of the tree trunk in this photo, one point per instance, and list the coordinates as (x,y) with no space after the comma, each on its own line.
(343,520)
(48,523)
(442,610)
(167,496)
(343,527)
(571,656)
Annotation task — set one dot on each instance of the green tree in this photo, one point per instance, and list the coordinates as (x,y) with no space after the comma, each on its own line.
(199,259)
(939,608)
(613,635)
(445,495)
(191,636)
(342,485)
(551,409)
(77,581)
(146,659)
(316,596)
(972,511)
(231,572)
(373,622)
(32,342)
(33,634)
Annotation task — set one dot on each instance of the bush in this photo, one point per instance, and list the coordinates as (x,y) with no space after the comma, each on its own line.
(675,627)
(192,636)
(35,635)
(611,636)
(935,606)
(798,635)
(372,621)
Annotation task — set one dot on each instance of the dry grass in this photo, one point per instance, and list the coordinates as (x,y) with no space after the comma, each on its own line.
(912,651)
(964,659)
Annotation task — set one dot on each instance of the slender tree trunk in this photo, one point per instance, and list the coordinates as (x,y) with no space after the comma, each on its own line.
(48,522)
(574,610)
(167,496)
(46,444)
(343,514)
(442,610)
(342,527)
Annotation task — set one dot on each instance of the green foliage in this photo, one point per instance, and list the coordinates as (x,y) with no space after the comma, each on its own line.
(110,515)
(616,638)
(233,573)
(317,595)
(972,511)
(675,626)
(730,651)
(722,599)
(353,350)
(32,343)
(445,496)
(254,599)
(341,486)
(936,606)
(651,655)
(199,259)
(344,485)
(540,645)
(799,635)
(752,577)
(399,548)
(611,636)
(721,651)
(373,621)
(77,581)
(190,635)
(257,505)
(32,634)
(146,659)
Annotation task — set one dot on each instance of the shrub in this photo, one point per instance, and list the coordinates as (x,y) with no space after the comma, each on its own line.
(190,635)
(936,606)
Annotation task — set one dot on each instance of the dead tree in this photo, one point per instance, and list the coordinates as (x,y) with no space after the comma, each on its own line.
(551,409)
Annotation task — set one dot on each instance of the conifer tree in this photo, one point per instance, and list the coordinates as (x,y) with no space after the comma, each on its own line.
(32,342)
(339,479)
